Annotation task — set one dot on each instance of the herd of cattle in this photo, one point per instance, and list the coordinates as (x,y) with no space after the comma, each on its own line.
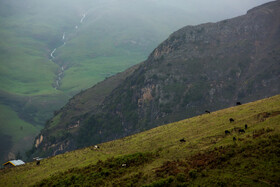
(227,132)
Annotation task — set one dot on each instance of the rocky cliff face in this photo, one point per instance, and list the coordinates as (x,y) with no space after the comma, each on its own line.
(205,67)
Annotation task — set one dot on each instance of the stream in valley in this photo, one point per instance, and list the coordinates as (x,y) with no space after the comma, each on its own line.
(60,73)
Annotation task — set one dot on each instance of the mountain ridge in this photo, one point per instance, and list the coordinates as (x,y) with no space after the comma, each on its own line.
(48,58)
(206,67)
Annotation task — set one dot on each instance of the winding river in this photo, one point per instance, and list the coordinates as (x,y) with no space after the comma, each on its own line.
(60,73)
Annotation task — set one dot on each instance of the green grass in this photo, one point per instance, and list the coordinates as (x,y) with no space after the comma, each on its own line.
(95,175)
(22,133)
(30,30)
(27,35)
(93,71)
(118,39)
(30,110)
(24,70)
(26,74)
(250,163)
(87,101)
(204,135)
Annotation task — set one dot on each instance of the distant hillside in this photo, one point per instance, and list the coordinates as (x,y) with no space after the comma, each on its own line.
(50,50)
(157,157)
(205,67)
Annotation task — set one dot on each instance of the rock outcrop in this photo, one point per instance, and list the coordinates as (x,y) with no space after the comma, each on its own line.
(205,67)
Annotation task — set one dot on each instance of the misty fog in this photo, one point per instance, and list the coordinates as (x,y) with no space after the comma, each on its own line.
(53,49)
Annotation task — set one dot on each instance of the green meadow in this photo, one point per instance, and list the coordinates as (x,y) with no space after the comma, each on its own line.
(113,37)
(157,157)
(21,133)
(107,42)
(24,70)
(94,71)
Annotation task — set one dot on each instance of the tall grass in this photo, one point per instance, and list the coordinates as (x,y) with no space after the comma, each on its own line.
(206,152)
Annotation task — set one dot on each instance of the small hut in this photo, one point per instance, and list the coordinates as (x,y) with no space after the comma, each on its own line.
(13,163)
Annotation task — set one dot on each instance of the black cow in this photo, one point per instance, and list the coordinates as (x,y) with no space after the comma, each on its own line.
(183,140)
(38,162)
(227,132)
(238,103)
(241,131)
(231,120)
(246,126)
(234,139)
(207,111)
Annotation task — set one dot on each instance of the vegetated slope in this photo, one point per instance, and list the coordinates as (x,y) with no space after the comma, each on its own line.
(27,34)
(20,134)
(198,68)
(52,49)
(93,40)
(67,120)
(207,157)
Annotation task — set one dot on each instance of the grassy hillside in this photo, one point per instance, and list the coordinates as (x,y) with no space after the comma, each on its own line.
(114,35)
(157,157)
(16,134)
(28,32)
(31,30)
(108,41)
(18,114)
(204,67)
(86,101)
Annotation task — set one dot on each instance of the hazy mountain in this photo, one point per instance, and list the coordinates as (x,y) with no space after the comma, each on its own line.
(204,67)
(50,50)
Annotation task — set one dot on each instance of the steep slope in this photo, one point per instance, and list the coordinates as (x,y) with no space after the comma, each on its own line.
(207,157)
(53,49)
(198,68)
(67,120)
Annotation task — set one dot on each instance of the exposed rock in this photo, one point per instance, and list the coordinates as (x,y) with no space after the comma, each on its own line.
(39,140)
(209,66)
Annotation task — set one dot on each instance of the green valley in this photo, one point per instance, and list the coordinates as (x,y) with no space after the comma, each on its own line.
(105,42)
(52,50)
(19,134)
(209,66)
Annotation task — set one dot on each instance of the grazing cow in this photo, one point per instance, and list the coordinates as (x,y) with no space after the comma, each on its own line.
(123,165)
(231,120)
(234,139)
(38,163)
(241,131)
(183,140)
(246,126)
(238,103)
(227,132)
(96,147)
(207,111)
